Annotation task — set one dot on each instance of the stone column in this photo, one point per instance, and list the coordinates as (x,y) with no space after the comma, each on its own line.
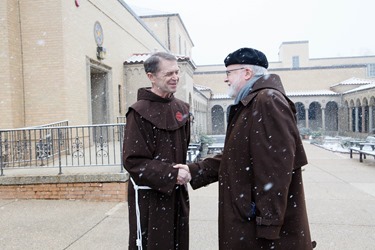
(307,117)
(225,119)
(356,119)
(323,119)
(350,116)
(363,118)
(370,119)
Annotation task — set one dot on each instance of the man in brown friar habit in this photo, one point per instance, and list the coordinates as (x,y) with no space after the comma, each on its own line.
(157,136)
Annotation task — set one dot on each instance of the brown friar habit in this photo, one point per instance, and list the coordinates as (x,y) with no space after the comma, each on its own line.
(261,164)
(157,135)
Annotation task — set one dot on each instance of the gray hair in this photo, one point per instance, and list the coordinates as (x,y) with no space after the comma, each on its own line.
(152,63)
(258,70)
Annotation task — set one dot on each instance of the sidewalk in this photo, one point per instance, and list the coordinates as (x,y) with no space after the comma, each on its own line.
(340,195)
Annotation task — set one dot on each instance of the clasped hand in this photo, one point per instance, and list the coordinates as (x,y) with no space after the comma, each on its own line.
(183,176)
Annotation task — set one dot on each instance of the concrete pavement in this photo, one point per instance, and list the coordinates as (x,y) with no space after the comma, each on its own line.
(340,194)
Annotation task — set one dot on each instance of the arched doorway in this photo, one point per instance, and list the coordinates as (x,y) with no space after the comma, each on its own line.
(315,116)
(301,115)
(217,114)
(331,116)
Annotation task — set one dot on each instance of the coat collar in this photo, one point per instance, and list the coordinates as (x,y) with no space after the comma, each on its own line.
(270,81)
(147,94)
(164,113)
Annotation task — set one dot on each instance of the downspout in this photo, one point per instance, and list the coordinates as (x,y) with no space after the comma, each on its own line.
(169,33)
(22,68)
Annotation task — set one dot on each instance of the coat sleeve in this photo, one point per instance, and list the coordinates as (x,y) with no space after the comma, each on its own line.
(273,145)
(139,146)
(204,172)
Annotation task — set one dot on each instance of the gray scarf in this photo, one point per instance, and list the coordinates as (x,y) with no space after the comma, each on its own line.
(246,89)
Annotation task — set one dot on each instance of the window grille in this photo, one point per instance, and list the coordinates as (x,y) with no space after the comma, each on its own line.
(371,70)
(295,61)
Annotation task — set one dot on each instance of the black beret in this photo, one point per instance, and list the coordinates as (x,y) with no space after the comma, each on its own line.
(247,56)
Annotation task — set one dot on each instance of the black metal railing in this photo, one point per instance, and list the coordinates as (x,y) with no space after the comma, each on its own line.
(53,124)
(53,145)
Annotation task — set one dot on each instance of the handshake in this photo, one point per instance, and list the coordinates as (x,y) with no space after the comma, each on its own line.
(183,176)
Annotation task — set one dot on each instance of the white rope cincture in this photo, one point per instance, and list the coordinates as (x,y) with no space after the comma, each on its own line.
(138,213)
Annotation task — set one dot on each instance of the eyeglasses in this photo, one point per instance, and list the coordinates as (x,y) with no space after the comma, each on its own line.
(228,71)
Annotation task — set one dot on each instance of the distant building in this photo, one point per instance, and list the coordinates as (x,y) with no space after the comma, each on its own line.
(82,61)
(332,95)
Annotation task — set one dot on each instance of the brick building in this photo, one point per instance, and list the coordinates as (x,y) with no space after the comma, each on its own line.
(82,61)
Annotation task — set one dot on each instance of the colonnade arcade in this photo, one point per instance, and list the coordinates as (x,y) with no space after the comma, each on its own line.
(360,113)
(321,114)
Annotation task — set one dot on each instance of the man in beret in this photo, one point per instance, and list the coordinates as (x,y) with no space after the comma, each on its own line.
(261,194)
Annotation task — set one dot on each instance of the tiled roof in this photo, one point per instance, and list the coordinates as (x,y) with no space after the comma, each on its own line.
(201,87)
(291,94)
(363,87)
(354,81)
(221,96)
(141,57)
(137,58)
(322,92)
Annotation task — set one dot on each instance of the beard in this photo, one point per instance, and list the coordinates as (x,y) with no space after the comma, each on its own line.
(234,87)
(232,91)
